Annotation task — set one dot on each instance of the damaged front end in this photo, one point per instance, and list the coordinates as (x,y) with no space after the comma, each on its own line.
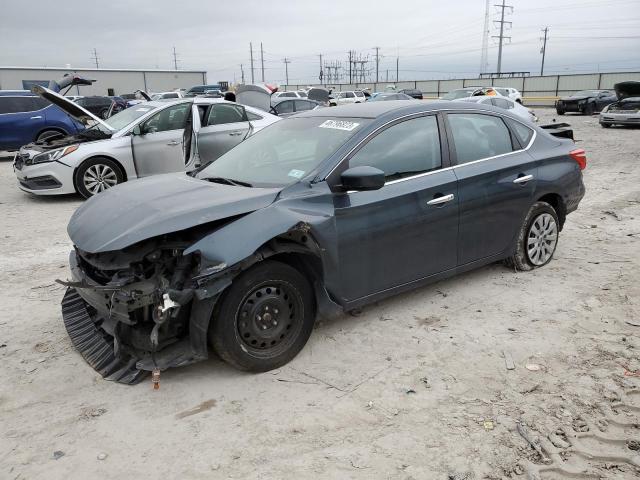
(139,309)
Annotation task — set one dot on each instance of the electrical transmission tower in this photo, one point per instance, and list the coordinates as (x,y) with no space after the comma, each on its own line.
(501,37)
(175,59)
(95,58)
(484,58)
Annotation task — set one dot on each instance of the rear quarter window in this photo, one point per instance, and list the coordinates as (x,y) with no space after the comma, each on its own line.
(522,132)
(18,104)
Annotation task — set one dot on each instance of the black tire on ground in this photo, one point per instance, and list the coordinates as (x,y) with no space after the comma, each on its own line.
(560,111)
(522,259)
(606,125)
(48,134)
(519,101)
(103,113)
(589,108)
(99,168)
(264,319)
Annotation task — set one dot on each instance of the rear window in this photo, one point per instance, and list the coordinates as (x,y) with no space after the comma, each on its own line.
(477,136)
(359,94)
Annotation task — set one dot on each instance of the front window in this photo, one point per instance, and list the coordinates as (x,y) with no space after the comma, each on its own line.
(284,152)
(350,95)
(403,150)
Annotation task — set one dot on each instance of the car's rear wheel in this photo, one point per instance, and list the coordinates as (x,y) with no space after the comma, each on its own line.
(589,108)
(97,175)
(606,125)
(560,111)
(264,319)
(537,238)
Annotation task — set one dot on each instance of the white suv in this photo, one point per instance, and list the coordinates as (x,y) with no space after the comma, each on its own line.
(344,98)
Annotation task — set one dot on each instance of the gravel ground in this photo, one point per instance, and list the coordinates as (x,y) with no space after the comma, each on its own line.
(414,387)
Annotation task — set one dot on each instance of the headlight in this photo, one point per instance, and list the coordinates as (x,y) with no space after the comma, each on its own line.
(52,155)
(605,109)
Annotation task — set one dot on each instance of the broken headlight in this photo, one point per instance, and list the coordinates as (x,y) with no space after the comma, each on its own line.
(52,155)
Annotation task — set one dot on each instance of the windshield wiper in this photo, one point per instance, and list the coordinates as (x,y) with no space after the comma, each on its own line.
(228,181)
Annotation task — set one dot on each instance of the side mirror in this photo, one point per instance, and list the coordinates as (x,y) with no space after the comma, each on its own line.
(362,179)
(137,130)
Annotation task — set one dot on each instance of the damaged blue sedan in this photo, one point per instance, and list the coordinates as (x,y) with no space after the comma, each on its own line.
(321,213)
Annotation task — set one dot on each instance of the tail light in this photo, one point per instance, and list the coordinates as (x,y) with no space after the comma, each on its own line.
(580,156)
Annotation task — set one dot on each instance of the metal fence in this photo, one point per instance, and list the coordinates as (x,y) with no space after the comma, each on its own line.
(536,90)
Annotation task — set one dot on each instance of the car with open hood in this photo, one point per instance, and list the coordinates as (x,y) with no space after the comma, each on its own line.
(322,212)
(147,139)
(503,102)
(586,102)
(626,111)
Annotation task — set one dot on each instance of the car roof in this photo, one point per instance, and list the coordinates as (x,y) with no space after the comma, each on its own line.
(13,93)
(379,109)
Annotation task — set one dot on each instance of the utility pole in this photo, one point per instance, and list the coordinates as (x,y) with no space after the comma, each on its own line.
(350,62)
(387,76)
(377,61)
(543,51)
(286,69)
(95,58)
(397,68)
(321,76)
(484,58)
(251,54)
(242,72)
(501,37)
(175,59)
(262,60)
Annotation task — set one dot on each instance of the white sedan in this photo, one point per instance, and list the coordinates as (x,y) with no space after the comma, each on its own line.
(503,102)
(147,139)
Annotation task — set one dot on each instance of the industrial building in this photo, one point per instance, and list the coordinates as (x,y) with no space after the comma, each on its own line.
(108,81)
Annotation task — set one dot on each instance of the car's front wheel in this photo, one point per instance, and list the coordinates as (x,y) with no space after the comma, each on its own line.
(97,175)
(537,238)
(264,319)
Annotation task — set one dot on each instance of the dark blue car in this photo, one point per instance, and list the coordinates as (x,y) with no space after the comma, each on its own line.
(25,118)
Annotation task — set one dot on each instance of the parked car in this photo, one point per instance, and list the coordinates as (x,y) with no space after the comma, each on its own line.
(163,95)
(386,96)
(586,102)
(320,213)
(100,106)
(626,111)
(287,107)
(505,103)
(26,118)
(289,94)
(345,98)
(147,139)
(469,92)
(412,92)
(201,89)
(512,93)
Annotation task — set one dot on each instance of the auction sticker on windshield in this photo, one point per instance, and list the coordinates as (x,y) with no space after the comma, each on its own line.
(339,125)
(296,173)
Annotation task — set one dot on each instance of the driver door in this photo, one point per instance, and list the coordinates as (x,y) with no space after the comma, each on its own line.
(225,125)
(158,146)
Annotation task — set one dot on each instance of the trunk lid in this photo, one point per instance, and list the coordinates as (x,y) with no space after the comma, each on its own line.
(627,89)
(74,110)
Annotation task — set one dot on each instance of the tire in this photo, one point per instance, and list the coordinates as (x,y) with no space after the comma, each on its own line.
(42,136)
(107,173)
(543,218)
(589,108)
(260,344)
(560,111)
(606,125)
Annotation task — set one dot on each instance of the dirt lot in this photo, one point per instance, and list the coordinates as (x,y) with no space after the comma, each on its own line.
(414,387)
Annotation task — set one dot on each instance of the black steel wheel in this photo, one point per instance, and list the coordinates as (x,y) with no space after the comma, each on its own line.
(264,319)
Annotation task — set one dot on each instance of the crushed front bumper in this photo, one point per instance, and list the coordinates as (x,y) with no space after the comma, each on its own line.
(620,118)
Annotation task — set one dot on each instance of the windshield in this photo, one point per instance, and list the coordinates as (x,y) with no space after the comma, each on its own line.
(125,117)
(284,152)
(457,94)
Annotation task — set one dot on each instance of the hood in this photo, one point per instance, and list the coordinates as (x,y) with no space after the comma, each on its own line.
(161,204)
(257,96)
(78,113)
(627,89)
(575,99)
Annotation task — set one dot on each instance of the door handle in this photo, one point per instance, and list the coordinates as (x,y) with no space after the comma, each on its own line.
(235,134)
(441,199)
(173,143)
(37,117)
(523,179)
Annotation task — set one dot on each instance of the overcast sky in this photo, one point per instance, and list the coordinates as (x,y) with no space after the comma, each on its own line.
(433,38)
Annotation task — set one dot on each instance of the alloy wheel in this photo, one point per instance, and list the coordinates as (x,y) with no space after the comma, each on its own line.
(99,177)
(542,239)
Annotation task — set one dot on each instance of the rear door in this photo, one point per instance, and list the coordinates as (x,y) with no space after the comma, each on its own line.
(225,125)
(20,121)
(158,149)
(496,182)
(408,229)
